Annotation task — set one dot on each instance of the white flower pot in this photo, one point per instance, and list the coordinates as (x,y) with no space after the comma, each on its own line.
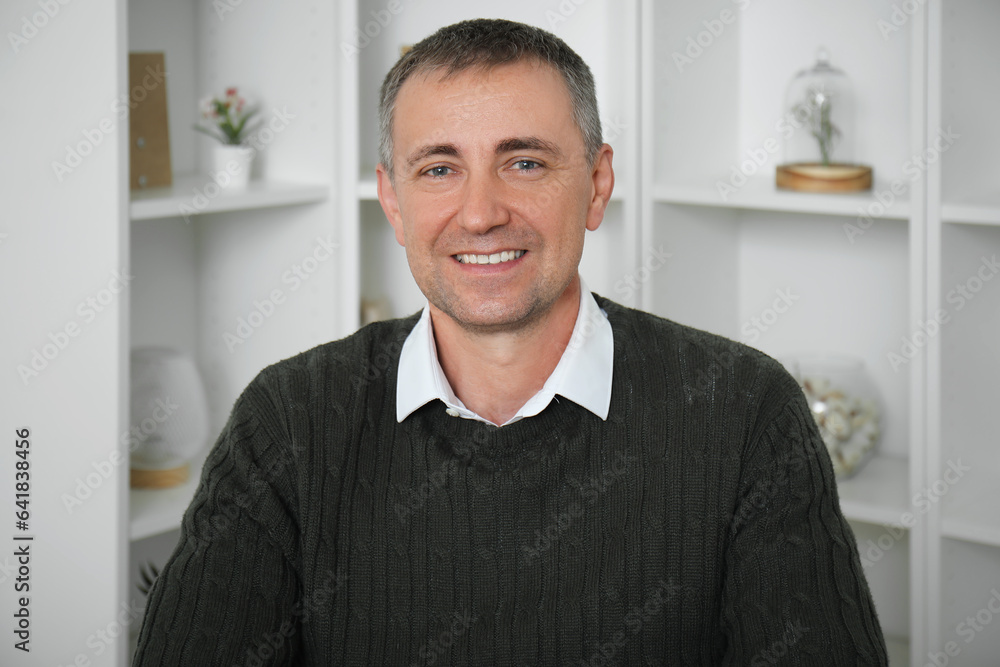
(232,166)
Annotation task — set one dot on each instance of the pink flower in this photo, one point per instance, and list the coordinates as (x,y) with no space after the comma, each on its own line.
(207,106)
(232,99)
(226,112)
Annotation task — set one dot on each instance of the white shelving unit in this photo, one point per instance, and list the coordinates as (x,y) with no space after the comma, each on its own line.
(204,258)
(925,122)
(963,234)
(738,242)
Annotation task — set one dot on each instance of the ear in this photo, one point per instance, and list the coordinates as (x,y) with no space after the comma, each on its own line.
(390,205)
(603,178)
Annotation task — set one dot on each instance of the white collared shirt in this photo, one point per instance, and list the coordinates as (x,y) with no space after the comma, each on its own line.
(583,374)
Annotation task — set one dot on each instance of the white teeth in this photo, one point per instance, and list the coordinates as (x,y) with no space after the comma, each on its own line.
(495,258)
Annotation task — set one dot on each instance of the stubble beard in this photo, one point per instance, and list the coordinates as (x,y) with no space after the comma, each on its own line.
(500,317)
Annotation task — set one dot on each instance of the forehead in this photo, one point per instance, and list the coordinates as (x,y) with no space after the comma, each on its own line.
(523,97)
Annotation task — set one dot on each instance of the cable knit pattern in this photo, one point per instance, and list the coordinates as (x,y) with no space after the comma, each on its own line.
(698,525)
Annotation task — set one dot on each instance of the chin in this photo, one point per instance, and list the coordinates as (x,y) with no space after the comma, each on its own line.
(490,318)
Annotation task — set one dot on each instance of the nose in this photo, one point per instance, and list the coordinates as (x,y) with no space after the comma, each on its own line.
(483,206)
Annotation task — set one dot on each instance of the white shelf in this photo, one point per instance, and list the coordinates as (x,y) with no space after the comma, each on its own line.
(982,211)
(189,195)
(367,189)
(155,511)
(972,516)
(899,651)
(879,493)
(761,194)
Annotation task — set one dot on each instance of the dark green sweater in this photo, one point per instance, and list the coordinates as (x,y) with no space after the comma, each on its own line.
(698,525)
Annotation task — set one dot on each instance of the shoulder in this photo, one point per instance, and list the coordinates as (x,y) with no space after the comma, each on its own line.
(341,366)
(659,336)
(357,349)
(698,361)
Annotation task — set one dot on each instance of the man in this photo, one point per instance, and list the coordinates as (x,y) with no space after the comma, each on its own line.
(525,473)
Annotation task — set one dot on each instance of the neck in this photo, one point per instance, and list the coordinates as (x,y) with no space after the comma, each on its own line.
(494,374)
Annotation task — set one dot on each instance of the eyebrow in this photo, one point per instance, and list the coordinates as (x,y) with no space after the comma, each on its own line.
(515,144)
(429,151)
(510,145)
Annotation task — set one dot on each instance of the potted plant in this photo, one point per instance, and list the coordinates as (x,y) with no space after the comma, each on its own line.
(230,117)
(816,109)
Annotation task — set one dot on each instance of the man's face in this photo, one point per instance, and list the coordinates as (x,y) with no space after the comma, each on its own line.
(492,192)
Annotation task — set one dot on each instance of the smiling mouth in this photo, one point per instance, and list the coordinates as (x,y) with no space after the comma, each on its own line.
(494,258)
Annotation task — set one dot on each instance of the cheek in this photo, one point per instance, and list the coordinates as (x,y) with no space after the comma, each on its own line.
(546,206)
(571,215)
(427,214)
(422,241)
(416,242)
(412,225)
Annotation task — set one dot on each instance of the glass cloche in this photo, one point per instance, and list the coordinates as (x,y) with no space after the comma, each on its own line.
(818,132)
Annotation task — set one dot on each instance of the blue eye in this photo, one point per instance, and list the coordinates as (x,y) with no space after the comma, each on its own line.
(526,165)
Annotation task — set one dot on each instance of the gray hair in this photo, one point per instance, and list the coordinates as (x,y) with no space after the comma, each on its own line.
(484,44)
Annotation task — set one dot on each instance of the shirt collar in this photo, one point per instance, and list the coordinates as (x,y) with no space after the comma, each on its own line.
(583,374)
